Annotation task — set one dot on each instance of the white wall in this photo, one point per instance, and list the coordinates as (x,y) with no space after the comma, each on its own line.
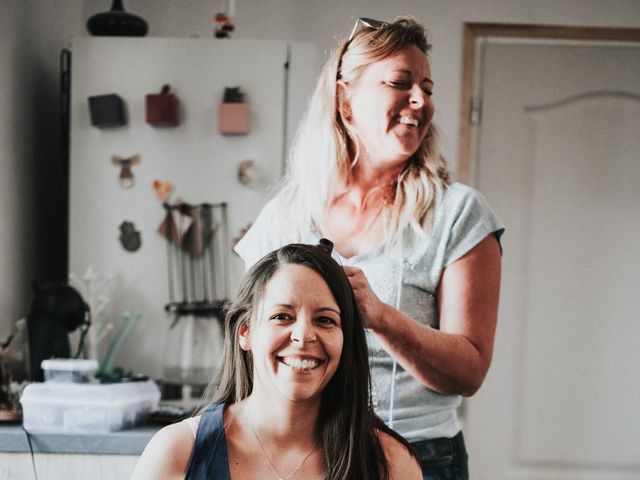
(34,31)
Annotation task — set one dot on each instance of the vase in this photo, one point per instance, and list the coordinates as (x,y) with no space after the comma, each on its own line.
(117,23)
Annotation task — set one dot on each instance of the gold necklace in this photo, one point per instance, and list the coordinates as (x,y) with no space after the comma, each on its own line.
(264,454)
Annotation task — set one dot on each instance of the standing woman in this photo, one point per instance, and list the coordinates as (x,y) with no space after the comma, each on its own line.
(422,253)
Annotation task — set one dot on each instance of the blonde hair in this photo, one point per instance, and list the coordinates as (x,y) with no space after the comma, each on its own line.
(320,166)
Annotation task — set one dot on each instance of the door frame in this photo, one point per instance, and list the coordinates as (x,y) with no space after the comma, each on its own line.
(473,32)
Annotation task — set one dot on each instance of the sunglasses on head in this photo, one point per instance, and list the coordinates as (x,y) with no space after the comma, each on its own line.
(363,23)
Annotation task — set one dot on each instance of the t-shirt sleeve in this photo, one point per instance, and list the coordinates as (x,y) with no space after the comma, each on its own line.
(260,239)
(471,219)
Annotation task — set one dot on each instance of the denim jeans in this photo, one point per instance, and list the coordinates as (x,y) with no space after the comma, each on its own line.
(443,458)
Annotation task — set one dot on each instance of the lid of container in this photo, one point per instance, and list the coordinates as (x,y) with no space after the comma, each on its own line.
(69,364)
(78,393)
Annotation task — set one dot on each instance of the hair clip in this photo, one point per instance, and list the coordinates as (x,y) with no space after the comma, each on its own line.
(326,245)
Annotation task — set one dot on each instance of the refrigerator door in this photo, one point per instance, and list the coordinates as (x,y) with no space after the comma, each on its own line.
(199,161)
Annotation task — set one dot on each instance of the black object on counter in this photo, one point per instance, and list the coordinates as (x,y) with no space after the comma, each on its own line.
(57,309)
(167,414)
(117,23)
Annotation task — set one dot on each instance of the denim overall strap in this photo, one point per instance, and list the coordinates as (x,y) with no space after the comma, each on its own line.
(209,456)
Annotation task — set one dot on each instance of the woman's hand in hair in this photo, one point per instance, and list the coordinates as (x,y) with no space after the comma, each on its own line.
(370,306)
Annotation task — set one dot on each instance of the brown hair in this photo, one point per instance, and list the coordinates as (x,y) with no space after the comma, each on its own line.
(347,423)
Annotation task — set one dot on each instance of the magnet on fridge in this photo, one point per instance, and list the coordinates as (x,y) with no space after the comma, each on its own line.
(248,173)
(129,236)
(107,111)
(125,164)
(162,108)
(163,190)
(233,112)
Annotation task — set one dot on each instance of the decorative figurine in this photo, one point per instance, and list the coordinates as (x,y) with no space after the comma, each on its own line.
(223,26)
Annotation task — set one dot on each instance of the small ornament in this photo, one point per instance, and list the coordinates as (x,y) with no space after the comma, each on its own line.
(223,25)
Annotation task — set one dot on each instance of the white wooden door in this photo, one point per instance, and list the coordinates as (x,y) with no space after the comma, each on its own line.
(558,156)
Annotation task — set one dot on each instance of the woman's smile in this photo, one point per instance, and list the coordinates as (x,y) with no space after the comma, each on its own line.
(408,120)
(297,363)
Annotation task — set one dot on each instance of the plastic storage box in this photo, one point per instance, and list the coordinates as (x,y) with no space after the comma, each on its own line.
(69,370)
(59,407)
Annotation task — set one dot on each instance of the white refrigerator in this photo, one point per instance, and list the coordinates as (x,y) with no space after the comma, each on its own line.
(276,78)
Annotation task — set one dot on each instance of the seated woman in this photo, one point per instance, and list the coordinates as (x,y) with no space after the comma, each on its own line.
(294,395)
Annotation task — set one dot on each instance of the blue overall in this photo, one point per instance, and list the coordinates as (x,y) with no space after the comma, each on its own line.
(209,456)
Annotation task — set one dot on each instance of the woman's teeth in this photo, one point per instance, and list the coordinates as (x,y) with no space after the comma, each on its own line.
(298,364)
(409,121)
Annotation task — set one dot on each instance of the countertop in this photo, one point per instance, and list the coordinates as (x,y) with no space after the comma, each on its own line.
(115,404)
(13,439)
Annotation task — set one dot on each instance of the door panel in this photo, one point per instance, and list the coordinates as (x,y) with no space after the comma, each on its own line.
(557,157)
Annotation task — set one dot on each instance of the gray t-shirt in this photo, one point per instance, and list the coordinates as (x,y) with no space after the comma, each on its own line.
(406,279)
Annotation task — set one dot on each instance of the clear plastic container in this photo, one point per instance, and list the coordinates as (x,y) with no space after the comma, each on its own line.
(69,370)
(61,407)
